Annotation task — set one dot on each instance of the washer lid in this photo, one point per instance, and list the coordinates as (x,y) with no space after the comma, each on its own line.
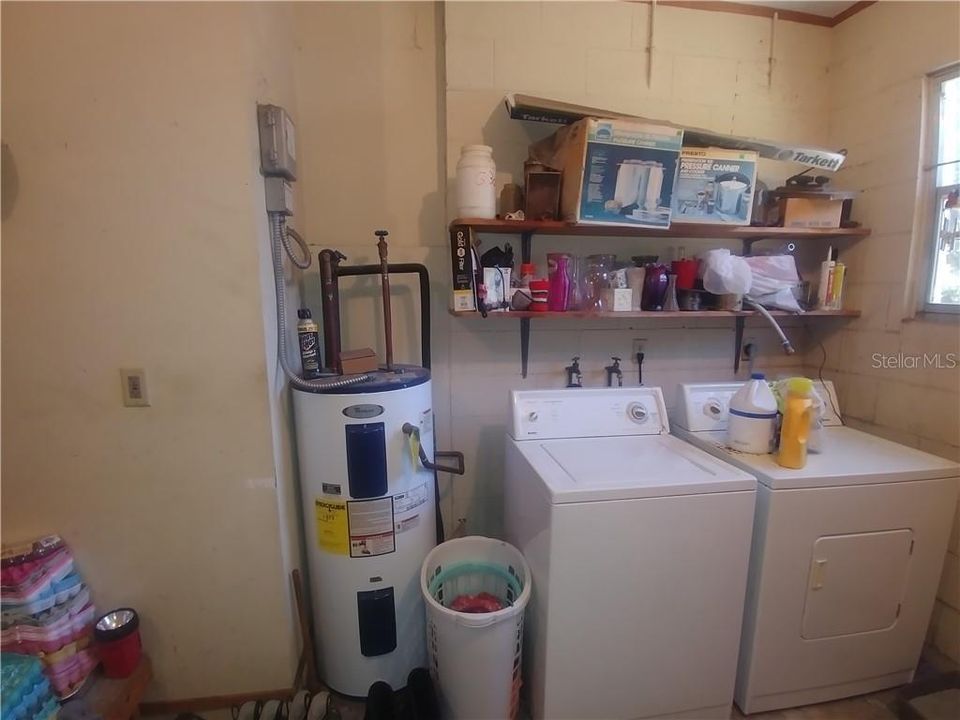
(849,457)
(620,468)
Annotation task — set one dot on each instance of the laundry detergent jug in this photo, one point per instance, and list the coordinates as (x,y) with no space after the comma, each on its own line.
(795,432)
(753,417)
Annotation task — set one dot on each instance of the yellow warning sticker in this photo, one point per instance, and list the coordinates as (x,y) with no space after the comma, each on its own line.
(332,533)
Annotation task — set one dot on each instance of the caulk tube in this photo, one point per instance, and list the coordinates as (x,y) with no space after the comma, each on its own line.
(823,291)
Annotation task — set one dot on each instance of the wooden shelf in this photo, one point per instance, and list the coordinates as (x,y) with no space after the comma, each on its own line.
(646,314)
(462,229)
(676,230)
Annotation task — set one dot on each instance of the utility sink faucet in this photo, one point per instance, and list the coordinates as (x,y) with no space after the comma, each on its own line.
(612,370)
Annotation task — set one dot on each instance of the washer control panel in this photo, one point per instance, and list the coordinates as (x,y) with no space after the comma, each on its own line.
(587,412)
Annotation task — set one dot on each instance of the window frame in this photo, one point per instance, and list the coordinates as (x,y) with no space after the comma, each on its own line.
(931,194)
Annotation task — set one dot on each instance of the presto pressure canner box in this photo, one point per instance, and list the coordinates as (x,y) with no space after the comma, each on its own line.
(715,185)
(615,172)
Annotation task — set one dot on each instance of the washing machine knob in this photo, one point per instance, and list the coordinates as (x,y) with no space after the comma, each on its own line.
(713,409)
(637,412)
(532,417)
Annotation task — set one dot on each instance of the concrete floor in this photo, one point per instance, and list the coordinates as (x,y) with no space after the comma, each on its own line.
(875,706)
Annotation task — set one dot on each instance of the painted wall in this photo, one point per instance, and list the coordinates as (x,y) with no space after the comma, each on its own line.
(368,123)
(878,62)
(710,70)
(132,230)
(133,145)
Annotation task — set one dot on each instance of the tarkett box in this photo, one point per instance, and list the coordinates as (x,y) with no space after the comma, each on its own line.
(715,186)
(615,172)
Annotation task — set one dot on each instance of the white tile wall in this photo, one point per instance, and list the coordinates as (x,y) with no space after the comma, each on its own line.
(856,86)
(709,69)
(879,59)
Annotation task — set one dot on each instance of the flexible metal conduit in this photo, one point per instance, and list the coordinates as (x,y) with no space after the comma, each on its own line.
(277,233)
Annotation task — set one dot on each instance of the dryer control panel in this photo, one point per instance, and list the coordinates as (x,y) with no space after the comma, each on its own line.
(703,407)
(587,412)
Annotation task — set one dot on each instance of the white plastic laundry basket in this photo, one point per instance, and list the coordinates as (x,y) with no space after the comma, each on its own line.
(475,657)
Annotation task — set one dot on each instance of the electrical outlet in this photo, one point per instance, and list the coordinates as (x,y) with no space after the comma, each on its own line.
(749,349)
(134,386)
(639,346)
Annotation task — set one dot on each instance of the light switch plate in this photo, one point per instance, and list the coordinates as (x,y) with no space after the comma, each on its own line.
(134,386)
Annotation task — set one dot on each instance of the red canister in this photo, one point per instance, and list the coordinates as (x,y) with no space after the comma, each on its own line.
(118,642)
(540,289)
(686,272)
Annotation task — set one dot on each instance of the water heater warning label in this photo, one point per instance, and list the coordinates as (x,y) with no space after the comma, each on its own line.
(371,527)
(332,534)
(410,499)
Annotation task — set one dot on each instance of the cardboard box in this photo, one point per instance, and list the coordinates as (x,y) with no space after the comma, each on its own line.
(615,172)
(617,299)
(557,112)
(810,212)
(461,256)
(715,186)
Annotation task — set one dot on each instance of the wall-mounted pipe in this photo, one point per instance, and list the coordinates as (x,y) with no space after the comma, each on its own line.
(385,289)
(330,307)
(400,269)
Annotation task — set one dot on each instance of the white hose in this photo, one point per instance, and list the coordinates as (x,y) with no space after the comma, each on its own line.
(787,347)
(277,245)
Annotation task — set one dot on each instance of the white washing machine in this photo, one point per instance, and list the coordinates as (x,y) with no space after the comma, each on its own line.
(638,545)
(846,558)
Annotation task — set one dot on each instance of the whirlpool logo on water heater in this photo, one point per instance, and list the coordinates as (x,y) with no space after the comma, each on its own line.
(362,412)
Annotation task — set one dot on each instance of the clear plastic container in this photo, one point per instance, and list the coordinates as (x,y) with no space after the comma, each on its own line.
(596,279)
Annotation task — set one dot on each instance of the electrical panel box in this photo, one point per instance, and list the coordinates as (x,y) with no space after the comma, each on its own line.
(278,144)
(279,195)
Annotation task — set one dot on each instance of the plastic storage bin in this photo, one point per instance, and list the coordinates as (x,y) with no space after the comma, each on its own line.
(475,657)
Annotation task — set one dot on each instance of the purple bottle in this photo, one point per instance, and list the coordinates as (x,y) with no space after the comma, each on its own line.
(559,275)
(654,287)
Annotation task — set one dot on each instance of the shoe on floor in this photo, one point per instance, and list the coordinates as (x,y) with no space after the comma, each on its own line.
(423,695)
(379,702)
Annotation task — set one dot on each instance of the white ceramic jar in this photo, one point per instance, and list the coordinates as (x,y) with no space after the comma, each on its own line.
(476,177)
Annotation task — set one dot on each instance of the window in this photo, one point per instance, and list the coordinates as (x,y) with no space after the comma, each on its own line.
(943,284)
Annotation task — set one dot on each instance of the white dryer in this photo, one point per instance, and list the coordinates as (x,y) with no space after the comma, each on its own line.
(846,557)
(638,545)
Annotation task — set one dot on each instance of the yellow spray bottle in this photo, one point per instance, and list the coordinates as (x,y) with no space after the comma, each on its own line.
(795,431)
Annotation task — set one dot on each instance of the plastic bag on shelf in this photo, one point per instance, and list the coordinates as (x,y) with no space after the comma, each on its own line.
(726,274)
(775,278)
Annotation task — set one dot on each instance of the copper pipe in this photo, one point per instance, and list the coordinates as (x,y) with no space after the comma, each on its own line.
(330,307)
(385,285)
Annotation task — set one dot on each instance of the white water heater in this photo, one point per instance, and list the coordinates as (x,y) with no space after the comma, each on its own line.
(370,520)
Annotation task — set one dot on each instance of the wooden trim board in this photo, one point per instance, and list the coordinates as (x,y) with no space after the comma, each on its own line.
(211,702)
(767,12)
(851,11)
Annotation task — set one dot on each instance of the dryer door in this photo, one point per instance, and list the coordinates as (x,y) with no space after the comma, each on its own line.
(856,582)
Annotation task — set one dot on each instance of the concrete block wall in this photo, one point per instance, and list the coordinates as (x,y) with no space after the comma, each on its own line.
(879,58)
(709,69)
